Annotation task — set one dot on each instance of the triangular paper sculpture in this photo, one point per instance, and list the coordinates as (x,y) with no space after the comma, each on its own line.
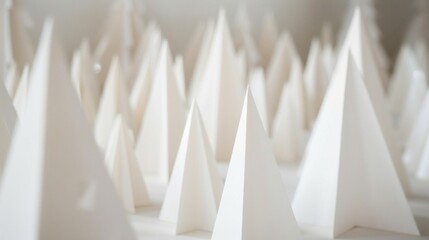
(415,144)
(7,124)
(20,100)
(242,35)
(221,92)
(163,122)
(278,71)
(143,82)
(180,76)
(85,83)
(193,194)
(254,202)
(412,103)
(201,61)
(347,163)
(405,66)
(316,80)
(118,37)
(259,92)
(124,169)
(288,132)
(357,43)
(329,58)
(148,47)
(267,38)
(11,80)
(64,190)
(114,101)
(192,50)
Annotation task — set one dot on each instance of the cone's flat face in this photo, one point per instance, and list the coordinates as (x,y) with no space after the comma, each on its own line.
(355,162)
(64,191)
(250,209)
(194,192)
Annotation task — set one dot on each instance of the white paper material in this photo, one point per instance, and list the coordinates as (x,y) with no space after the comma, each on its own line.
(114,101)
(329,58)
(316,81)
(221,92)
(6,58)
(85,83)
(7,124)
(400,82)
(288,132)
(240,59)
(20,100)
(268,36)
(347,163)
(201,63)
(412,103)
(415,144)
(190,58)
(163,122)
(64,190)
(123,167)
(358,44)
(143,82)
(423,168)
(278,71)
(180,76)
(193,194)
(254,203)
(259,92)
(148,47)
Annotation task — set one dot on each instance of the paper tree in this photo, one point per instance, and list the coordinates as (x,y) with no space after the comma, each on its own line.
(221,93)
(193,194)
(405,66)
(20,99)
(259,91)
(201,61)
(114,101)
(86,85)
(412,103)
(316,81)
(279,70)
(163,122)
(267,38)
(64,190)
(288,132)
(347,163)
(124,169)
(7,124)
(254,203)
(357,42)
(143,82)
(414,146)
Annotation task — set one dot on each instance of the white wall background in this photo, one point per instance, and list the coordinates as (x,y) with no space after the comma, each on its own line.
(177,18)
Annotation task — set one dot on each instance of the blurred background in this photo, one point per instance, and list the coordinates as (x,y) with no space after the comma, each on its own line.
(178,19)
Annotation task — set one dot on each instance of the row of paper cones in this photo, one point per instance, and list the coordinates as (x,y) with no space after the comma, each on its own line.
(54,185)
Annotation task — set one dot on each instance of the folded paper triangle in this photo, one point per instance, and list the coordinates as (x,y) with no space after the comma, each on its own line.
(114,101)
(347,163)
(254,203)
(221,93)
(8,118)
(357,42)
(64,190)
(193,194)
(259,91)
(121,161)
(163,122)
